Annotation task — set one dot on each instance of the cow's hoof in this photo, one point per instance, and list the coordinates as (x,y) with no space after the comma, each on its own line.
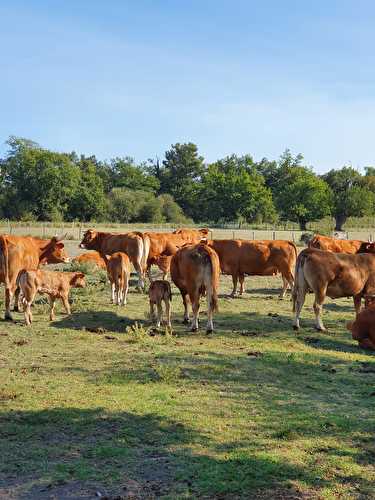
(194,329)
(186,321)
(296,328)
(208,331)
(16,309)
(319,329)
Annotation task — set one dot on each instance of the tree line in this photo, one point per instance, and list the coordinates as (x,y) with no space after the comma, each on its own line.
(39,184)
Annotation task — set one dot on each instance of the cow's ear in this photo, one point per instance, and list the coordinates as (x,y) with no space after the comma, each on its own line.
(108,257)
(60,245)
(349,325)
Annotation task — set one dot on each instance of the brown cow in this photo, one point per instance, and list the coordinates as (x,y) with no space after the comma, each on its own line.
(256,258)
(363,328)
(55,284)
(118,269)
(93,258)
(334,275)
(108,243)
(336,245)
(195,269)
(160,291)
(164,264)
(18,253)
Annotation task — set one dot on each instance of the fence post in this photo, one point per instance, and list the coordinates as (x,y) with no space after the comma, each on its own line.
(293,237)
(253,235)
(79,231)
(9,227)
(274,235)
(233,235)
(44,229)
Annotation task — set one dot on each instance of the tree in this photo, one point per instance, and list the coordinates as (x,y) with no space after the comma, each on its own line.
(125,173)
(350,197)
(180,174)
(232,189)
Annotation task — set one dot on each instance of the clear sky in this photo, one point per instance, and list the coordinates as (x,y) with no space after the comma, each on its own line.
(118,77)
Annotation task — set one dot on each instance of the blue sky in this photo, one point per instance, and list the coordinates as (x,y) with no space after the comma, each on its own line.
(119,78)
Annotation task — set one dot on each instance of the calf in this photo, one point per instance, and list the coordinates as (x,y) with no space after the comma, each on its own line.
(118,269)
(52,283)
(160,291)
(363,328)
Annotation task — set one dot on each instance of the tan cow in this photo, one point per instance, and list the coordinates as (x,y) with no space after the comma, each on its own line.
(18,253)
(108,243)
(195,269)
(118,269)
(256,258)
(363,328)
(334,275)
(164,264)
(93,258)
(159,292)
(55,284)
(166,244)
(336,245)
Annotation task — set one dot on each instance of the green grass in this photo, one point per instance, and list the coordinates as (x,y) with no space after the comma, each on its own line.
(92,403)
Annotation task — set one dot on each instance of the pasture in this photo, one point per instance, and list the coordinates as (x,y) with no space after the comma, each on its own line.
(98,405)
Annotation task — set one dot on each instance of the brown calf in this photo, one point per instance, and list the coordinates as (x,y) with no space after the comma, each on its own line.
(118,270)
(363,328)
(160,291)
(52,283)
(93,258)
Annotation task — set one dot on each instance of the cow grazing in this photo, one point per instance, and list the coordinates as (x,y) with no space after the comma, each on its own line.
(18,253)
(334,275)
(108,243)
(159,292)
(256,258)
(92,258)
(118,269)
(363,328)
(55,284)
(336,245)
(159,245)
(195,269)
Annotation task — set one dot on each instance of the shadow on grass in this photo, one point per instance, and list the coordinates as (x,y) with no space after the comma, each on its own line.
(66,452)
(107,320)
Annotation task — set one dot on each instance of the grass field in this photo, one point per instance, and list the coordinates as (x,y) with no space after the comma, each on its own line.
(92,407)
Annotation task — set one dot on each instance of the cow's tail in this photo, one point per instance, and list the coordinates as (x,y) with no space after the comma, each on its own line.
(145,252)
(295,253)
(298,277)
(211,276)
(4,259)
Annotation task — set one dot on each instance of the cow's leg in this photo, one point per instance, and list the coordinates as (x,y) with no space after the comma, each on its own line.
(185,300)
(27,312)
(152,311)
(367,344)
(357,299)
(194,298)
(66,304)
(318,306)
(288,279)
(16,307)
(299,301)
(210,323)
(9,293)
(52,303)
(160,314)
(138,268)
(168,312)
(125,289)
(113,291)
(242,281)
(234,279)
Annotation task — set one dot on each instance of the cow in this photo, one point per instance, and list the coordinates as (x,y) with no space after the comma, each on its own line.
(159,292)
(256,258)
(118,270)
(164,264)
(18,253)
(92,258)
(55,284)
(195,269)
(336,245)
(363,328)
(108,243)
(334,275)
(166,244)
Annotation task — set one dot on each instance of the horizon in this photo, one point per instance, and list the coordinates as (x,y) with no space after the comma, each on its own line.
(120,79)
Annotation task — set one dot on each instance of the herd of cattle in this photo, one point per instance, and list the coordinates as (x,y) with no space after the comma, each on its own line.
(329,267)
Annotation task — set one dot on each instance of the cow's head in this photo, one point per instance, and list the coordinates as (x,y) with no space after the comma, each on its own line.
(369,301)
(78,280)
(367,248)
(204,232)
(54,252)
(88,239)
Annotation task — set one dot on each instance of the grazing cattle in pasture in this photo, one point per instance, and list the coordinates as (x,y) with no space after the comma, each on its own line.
(118,269)
(166,244)
(108,243)
(92,257)
(336,245)
(18,253)
(195,269)
(159,292)
(363,328)
(256,258)
(334,275)
(55,284)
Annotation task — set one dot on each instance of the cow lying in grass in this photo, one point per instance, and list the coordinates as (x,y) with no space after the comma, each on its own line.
(118,270)
(160,291)
(363,328)
(55,284)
